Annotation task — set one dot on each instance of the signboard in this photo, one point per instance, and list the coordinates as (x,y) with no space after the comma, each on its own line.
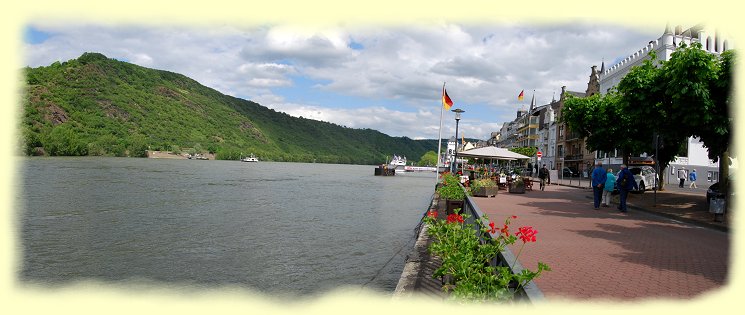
(553,176)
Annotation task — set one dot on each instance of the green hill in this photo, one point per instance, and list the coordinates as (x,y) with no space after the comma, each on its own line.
(94,105)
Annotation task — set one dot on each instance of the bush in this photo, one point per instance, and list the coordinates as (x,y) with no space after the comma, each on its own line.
(468,260)
(63,141)
(450,188)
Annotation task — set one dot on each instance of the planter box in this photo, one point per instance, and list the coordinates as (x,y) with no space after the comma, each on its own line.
(452,205)
(517,188)
(485,191)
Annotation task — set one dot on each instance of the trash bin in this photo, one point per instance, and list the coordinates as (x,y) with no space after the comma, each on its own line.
(716,205)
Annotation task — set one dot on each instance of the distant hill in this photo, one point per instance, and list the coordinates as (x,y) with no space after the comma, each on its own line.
(94,105)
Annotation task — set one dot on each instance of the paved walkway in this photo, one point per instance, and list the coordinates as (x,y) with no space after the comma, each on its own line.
(604,254)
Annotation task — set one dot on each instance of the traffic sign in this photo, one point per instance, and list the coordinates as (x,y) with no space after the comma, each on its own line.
(539,154)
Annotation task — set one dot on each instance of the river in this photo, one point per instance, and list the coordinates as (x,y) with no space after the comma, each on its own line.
(296,229)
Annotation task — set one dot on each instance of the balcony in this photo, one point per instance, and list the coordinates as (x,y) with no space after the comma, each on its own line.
(573,157)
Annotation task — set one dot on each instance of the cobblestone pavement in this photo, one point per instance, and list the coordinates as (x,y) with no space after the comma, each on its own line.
(607,255)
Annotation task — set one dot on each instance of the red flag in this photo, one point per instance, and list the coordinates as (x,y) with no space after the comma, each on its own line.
(521,96)
(446,101)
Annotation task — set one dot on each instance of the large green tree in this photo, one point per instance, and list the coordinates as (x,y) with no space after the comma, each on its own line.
(689,95)
(429,158)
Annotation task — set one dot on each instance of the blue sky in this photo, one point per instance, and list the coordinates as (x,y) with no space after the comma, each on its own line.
(385,78)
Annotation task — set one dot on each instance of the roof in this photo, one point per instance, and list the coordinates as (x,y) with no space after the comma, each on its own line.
(493,153)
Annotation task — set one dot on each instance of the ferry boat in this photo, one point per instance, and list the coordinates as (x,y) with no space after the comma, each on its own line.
(251,158)
(398,164)
(398,161)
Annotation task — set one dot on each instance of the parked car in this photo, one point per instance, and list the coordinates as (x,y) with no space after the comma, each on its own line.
(645,177)
(713,191)
(569,172)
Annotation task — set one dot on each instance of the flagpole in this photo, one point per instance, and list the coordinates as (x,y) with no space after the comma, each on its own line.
(439,141)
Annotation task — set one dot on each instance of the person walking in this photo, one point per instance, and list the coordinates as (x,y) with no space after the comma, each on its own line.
(625,183)
(598,180)
(610,183)
(692,178)
(543,175)
(681,177)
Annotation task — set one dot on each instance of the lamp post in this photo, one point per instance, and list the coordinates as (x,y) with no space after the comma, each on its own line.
(457,112)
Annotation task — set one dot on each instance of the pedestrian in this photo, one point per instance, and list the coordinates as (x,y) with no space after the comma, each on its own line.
(692,178)
(598,181)
(610,183)
(625,183)
(543,175)
(681,177)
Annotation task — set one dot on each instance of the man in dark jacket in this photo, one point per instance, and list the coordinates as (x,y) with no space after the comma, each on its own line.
(598,180)
(543,175)
(625,183)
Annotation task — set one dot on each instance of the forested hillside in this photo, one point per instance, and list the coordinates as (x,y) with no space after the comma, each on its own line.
(94,105)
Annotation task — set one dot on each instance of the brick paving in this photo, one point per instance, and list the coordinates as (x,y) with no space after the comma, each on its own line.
(607,255)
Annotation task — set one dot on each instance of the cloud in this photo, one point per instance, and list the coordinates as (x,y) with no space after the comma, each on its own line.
(384,78)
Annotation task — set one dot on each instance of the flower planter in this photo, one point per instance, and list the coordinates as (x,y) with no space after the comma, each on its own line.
(485,191)
(452,205)
(517,188)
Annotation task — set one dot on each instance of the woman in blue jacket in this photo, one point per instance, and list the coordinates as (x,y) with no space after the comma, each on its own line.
(625,182)
(610,184)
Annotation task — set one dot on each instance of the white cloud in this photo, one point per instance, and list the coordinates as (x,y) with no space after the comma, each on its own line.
(392,84)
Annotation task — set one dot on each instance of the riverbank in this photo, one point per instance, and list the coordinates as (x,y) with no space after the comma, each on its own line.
(171,155)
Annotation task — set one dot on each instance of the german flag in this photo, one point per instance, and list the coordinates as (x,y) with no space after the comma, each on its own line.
(521,96)
(446,101)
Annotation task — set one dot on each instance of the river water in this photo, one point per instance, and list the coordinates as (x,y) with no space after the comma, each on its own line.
(277,228)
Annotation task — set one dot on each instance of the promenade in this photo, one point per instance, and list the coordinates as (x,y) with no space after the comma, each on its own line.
(607,255)
(666,246)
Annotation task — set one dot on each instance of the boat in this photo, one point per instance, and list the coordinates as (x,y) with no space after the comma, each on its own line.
(251,158)
(398,164)
(398,161)
(197,156)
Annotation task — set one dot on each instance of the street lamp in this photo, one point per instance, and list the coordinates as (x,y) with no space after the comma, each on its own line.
(457,112)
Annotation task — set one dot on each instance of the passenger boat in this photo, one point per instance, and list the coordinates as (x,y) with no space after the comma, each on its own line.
(251,158)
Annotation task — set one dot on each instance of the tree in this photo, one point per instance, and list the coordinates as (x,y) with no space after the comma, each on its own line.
(526,151)
(689,95)
(642,97)
(429,158)
(697,95)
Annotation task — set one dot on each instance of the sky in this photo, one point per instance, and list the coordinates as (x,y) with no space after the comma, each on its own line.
(385,78)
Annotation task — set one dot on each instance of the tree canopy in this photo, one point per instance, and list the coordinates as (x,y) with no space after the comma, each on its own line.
(688,95)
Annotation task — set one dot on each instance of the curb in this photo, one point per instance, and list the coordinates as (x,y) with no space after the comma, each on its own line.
(676,218)
(682,219)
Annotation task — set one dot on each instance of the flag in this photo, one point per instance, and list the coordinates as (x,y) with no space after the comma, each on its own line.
(532,102)
(521,96)
(446,101)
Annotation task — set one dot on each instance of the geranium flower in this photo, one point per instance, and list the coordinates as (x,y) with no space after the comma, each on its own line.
(432,214)
(492,229)
(505,231)
(527,234)
(453,218)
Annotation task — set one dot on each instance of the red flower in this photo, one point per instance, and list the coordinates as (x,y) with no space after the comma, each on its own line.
(453,218)
(492,229)
(505,230)
(514,217)
(527,234)
(432,214)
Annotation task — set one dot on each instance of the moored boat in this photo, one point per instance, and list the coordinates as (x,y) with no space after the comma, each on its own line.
(251,158)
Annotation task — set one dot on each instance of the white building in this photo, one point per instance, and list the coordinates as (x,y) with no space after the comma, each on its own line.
(664,46)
